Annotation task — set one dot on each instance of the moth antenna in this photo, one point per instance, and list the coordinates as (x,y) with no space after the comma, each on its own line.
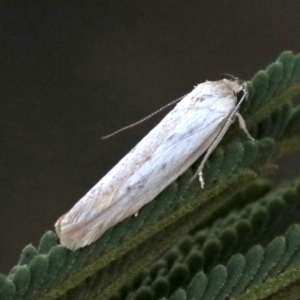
(142,120)
(230,76)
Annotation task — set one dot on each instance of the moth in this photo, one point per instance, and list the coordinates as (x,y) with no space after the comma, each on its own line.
(195,126)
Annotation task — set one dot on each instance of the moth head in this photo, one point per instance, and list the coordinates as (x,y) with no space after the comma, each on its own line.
(241,91)
(239,88)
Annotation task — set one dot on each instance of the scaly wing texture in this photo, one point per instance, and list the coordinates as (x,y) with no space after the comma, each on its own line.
(164,154)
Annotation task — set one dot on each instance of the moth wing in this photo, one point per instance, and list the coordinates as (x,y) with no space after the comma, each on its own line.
(78,227)
(180,148)
(74,234)
(176,142)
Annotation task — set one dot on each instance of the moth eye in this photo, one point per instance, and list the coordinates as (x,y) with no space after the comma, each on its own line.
(239,95)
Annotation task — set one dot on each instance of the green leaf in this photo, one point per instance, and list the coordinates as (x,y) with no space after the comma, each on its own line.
(7,288)
(227,222)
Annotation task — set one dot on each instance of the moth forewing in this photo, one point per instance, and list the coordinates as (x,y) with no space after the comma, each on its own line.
(194,126)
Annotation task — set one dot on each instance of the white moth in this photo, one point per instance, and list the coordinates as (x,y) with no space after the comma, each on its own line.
(196,125)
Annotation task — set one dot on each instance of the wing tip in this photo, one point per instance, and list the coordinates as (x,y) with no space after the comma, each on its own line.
(76,235)
(70,234)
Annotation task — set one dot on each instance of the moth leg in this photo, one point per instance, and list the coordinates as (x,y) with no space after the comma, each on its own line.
(136,213)
(201,178)
(209,151)
(214,144)
(202,165)
(220,136)
(243,126)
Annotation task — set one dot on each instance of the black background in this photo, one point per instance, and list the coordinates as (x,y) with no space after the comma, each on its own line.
(72,73)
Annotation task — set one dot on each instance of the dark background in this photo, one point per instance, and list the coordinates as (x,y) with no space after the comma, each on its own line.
(72,73)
